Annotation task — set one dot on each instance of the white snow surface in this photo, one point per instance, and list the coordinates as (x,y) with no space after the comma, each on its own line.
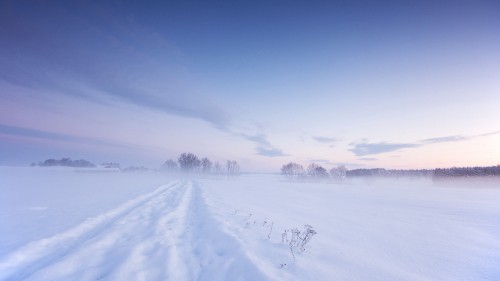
(58,224)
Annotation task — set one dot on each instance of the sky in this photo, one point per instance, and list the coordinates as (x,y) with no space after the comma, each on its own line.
(392,84)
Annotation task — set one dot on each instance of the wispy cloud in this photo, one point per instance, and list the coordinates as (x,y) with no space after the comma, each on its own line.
(324,161)
(179,106)
(269,152)
(364,148)
(260,139)
(264,147)
(489,134)
(38,134)
(444,139)
(132,64)
(368,159)
(350,165)
(323,139)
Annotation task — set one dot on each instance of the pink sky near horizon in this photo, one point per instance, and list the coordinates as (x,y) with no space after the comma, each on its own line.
(391,86)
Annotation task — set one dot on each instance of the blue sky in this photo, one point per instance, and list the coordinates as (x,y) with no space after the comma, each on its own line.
(392,84)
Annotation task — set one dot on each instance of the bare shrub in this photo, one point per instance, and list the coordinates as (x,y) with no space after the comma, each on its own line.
(298,239)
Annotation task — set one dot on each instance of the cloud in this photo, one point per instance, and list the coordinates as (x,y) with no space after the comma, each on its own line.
(258,138)
(365,148)
(349,165)
(324,139)
(263,148)
(489,134)
(456,138)
(367,159)
(269,152)
(38,134)
(133,64)
(178,106)
(325,161)
(444,139)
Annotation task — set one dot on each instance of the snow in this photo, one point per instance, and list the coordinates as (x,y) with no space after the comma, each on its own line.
(40,202)
(60,225)
(382,230)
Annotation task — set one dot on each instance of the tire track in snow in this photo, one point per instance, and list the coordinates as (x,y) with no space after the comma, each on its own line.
(38,254)
(167,234)
(157,257)
(209,252)
(103,254)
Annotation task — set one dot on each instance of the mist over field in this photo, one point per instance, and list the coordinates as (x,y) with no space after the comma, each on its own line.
(71,224)
(249,140)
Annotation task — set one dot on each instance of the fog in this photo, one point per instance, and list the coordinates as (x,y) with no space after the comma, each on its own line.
(367,228)
(39,202)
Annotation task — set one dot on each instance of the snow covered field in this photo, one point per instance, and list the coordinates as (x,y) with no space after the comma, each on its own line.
(56,224)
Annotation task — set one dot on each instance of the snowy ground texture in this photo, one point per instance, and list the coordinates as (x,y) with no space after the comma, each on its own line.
(57,224)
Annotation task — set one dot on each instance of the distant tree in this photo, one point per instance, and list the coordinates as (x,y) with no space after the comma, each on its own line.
(82,163)
(380,172)
(316,171)
(188,162)
(111,165)
(218,168)
(321,172)
(292,170)
(169,166)
(467,172)
(67,162)
(376,172)
(133,169)
(206,165)
(49,162)
(233,168)
(311,169)
(338,172)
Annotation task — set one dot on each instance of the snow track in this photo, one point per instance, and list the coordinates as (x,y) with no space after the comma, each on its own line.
(167,234)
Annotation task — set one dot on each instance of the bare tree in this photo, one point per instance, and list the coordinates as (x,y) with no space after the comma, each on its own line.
(316,171)
(206,165)
(82,163)
(233,168)
(339,172)
(292,170)
(170,166)
(218,168)
(111,165)
(188,162)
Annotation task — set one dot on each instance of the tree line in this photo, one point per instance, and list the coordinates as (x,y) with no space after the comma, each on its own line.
(435,173)
(190,163)
(379,172)
(296,171)
(468,172)
(66,162)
